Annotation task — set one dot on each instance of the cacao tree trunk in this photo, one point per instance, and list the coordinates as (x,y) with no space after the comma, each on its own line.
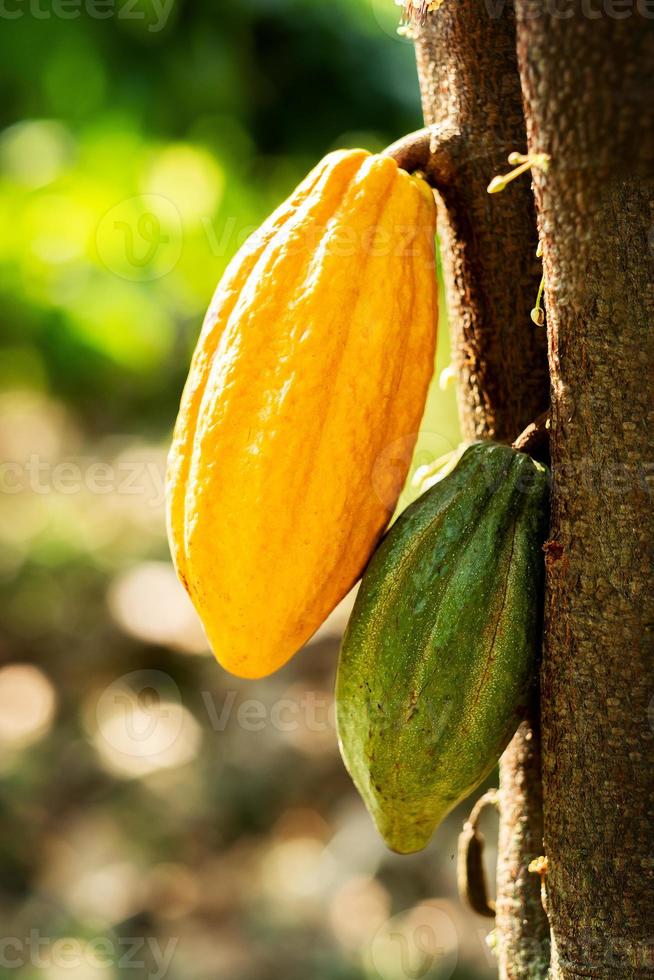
(589,103)
(585,73)
(469,82)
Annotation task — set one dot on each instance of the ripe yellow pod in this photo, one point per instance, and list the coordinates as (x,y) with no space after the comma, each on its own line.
(302,406)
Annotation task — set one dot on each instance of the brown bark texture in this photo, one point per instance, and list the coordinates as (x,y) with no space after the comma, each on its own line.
(471,96)
(470,88)
(588,81)
(522,929)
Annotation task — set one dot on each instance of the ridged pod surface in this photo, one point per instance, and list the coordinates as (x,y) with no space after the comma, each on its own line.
(302,406)
(440,649)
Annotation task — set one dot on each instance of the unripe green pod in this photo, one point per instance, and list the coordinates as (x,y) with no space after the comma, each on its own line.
(440,650)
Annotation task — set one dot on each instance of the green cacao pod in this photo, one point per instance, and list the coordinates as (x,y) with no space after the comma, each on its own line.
(440,650)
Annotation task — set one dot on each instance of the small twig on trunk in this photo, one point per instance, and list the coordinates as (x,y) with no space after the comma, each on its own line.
(471,877)
(433,150)
(534,440)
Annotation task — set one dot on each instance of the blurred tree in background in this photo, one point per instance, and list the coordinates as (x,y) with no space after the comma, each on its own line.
(144,792)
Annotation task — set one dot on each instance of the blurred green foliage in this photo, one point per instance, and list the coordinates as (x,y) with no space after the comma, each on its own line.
(213,115)
(140,143)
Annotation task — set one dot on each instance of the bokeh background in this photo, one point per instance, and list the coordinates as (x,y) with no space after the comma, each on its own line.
(160,818)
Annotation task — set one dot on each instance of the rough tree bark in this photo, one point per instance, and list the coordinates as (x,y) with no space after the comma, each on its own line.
(586,76)
(471,93)
(588,80)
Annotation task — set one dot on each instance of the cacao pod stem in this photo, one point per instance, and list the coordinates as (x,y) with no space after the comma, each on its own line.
(534,440)
(471,877)
(433,151)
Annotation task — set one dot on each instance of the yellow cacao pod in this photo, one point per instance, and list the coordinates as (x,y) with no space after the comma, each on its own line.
(302,405)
